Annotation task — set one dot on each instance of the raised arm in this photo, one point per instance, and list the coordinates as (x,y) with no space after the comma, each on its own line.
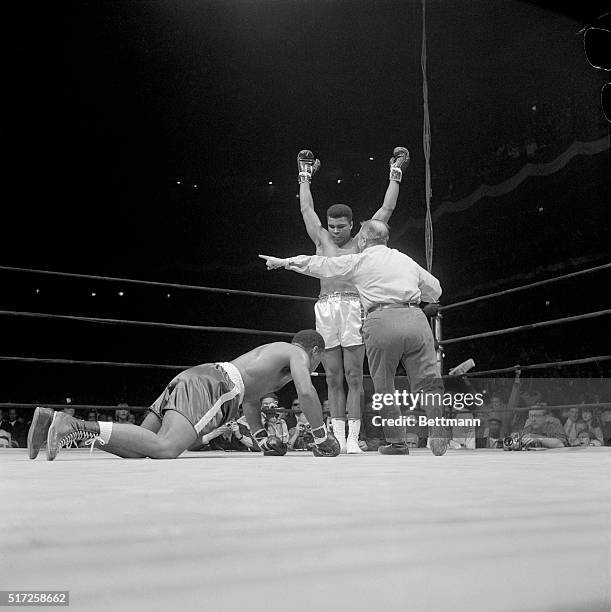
(307,166)
(398,163)
(509,416)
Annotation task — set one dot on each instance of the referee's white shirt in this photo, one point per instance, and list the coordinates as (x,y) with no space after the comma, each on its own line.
(380,274)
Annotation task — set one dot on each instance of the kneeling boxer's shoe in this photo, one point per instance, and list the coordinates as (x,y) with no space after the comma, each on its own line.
(327,447)
(395,448)
(65,429)
(37,434)
(270,445)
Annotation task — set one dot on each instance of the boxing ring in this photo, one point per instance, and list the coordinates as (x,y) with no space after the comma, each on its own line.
(472,530)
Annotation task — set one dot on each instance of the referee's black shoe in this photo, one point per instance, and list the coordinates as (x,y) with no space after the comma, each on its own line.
(396,448)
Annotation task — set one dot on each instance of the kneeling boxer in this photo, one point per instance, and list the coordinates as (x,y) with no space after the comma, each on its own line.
(199,400)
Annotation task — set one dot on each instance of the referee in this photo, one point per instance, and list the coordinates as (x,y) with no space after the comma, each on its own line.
(391,286)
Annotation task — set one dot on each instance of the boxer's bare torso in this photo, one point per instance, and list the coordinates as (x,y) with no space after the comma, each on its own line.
(327,247)
(267,368)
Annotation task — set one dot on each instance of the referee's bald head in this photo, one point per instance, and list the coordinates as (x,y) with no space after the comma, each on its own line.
(374,232)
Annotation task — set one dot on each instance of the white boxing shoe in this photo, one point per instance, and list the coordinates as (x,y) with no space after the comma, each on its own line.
(339,431)
(352,442)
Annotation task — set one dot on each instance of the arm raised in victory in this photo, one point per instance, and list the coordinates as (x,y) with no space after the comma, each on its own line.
(398,163)
(307,166)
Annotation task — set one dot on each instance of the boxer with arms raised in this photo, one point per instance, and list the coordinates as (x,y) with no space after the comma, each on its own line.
(339,315)
(199,400)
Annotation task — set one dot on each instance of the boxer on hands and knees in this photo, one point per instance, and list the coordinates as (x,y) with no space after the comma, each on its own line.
(339,311)
(391,286)
(199,400)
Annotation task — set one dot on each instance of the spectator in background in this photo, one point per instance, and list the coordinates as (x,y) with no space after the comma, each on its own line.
(222,438)
(493,408)
(301,437)
(594,426)
(131,418)
(579,427)
(512,420)
(269,403)
(122,413)
(6,440)
(570,425)
(531,396)
(496,404)
(411,438)
(541,432)
(606,427)
(550,417)
(244,436)
(421,431)
(495,433)
(275,424)
(291,417)
(462,436)
(217,439)
(584,438)
(16,427)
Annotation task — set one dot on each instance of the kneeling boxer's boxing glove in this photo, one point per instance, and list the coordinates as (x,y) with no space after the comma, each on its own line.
(329,447)
(270,445)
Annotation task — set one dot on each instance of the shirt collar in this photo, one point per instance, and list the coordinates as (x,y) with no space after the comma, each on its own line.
(375,246)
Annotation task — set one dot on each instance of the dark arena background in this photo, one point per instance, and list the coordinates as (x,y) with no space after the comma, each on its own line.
(150,157)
